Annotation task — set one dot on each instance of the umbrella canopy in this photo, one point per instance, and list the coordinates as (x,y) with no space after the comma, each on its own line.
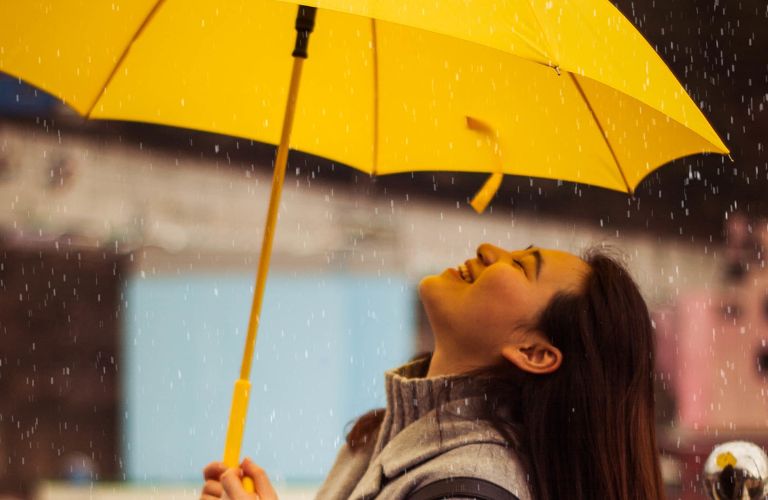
(564,89)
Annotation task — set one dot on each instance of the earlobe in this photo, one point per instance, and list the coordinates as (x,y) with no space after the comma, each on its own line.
(534,357)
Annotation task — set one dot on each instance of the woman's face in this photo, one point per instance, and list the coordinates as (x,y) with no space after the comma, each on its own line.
(484,303)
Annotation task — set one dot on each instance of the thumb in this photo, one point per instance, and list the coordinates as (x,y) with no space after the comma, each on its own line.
(260,479)
(233,485)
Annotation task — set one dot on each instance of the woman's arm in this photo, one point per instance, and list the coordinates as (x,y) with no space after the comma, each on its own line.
(222,482)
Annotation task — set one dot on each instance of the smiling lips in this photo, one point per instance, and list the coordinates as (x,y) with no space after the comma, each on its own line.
(464,273)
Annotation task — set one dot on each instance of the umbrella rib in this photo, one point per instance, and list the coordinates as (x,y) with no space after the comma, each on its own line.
(602,131)
(127,48)
(544,35)
(375,48)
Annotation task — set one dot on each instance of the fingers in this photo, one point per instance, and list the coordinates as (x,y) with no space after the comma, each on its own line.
(233,486)
(212,488)
(214,470)
(221,480)
(260,480)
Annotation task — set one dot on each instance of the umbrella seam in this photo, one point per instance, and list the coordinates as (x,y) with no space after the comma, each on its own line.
(551,53)
(602,131)
(123,56)
(375,50)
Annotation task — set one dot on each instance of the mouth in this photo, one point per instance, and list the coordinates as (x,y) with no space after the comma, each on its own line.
(464,273)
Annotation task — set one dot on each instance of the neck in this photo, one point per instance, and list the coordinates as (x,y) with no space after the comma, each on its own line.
(443,364)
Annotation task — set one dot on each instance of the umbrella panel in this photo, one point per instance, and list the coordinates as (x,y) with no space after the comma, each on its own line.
(67,48)
(539,124)
(642,138)
(226,69)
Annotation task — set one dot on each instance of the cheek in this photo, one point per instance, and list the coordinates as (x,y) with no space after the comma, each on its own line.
(506,298)
(503,287)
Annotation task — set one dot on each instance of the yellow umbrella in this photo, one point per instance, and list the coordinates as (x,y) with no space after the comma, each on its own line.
(564,89)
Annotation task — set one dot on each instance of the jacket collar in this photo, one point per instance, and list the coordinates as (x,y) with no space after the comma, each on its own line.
(411,396)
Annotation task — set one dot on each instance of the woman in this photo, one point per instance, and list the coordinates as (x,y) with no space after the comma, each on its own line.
(540,384)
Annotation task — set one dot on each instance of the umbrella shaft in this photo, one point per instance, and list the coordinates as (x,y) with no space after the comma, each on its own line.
(237,415)
(269,230)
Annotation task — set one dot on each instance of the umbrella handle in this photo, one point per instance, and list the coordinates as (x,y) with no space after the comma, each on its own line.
(236,428)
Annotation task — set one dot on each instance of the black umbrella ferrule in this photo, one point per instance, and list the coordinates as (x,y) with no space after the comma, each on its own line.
(305,23)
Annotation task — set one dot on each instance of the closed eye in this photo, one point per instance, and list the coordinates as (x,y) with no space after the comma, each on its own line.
(521,266)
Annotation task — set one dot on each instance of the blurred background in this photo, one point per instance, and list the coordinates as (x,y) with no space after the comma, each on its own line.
(128,255)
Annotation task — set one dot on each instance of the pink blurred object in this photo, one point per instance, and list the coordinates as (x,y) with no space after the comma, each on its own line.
(712,346)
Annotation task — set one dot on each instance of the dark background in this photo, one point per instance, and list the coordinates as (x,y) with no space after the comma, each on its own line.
(59,353)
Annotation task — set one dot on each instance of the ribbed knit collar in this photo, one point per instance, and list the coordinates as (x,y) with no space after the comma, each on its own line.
(411,396)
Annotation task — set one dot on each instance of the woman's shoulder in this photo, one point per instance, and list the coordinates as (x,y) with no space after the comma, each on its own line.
(494,462)
(459,446)
(491,462)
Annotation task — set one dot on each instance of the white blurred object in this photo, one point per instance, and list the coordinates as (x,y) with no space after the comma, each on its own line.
(736,470)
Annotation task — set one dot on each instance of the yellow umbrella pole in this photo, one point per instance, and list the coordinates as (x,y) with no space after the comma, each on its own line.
(305,21)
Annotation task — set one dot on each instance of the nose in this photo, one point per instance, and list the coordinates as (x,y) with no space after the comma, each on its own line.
(487,254)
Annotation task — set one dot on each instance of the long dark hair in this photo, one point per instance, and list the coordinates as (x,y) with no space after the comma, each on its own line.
(587,430)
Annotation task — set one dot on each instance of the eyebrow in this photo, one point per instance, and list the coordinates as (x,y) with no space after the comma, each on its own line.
(537,255)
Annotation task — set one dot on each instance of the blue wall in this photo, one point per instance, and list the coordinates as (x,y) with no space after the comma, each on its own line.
(322,349)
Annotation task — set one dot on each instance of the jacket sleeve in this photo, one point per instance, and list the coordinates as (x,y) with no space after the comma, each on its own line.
(345,473)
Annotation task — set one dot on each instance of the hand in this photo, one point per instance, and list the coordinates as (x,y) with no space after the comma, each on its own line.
(224,483)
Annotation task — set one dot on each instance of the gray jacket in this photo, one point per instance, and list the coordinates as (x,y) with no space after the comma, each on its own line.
(415,446)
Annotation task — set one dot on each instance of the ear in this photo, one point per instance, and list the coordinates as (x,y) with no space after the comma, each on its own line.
(534,356)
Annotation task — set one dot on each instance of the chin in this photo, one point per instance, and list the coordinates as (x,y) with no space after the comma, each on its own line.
(425,285)
(437,300)
(429,291)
